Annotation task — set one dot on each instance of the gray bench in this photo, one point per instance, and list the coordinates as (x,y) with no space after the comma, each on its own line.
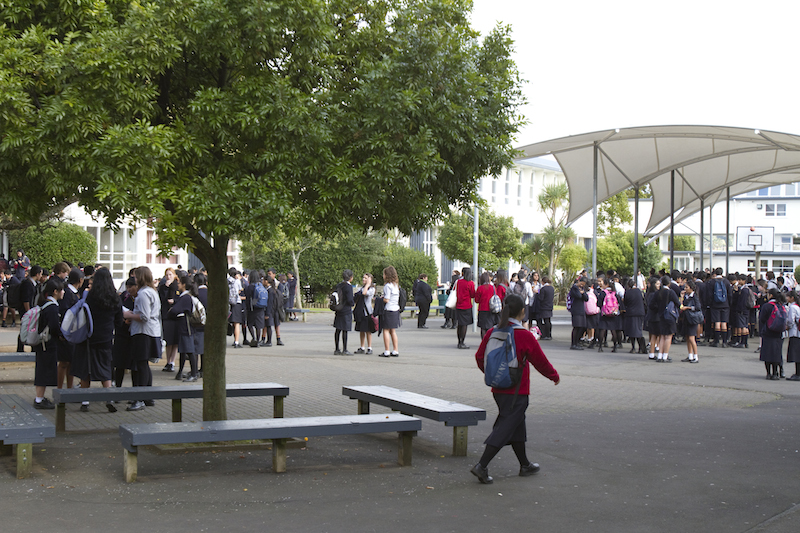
(18,357)
(276,429)
(415,308)
(458,415)
(298,310)
(22,425)
(176,393)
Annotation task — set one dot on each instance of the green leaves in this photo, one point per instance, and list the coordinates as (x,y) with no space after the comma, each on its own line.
(499,239)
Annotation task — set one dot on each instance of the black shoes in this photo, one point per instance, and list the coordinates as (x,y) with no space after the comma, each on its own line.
(337,351)
(44,404)
(795,377)
(347,352)
(84,408)
(462,346)
(254,343)
(482,474)
(280,342)
(111,407)
(575,347)
(168,368)
(190,379)
(529,469)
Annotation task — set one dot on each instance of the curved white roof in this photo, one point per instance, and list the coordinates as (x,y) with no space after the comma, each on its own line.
(707,160)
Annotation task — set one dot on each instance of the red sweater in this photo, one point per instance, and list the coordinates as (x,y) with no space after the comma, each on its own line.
(483,295)
(465,292)
(528,349)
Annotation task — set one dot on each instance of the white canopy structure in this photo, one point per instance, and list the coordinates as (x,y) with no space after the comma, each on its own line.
(687,167)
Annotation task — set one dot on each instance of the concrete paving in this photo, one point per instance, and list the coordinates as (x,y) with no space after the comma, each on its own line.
(624,445)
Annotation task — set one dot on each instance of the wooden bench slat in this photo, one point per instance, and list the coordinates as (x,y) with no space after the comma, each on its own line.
(452,413)
(169,392)
(20,422)
(17,357)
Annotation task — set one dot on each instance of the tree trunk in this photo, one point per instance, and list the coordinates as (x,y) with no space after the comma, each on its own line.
(552,265)
(215,259)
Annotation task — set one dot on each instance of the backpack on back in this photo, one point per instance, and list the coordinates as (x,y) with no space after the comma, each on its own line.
(233,294)
(336,302)
(777,321)
(198,316)
(610,304)
(720,294)
(78,324)
(591,304)
(569,302)
(501,367)
(519,290)
(12,295)
(751,298)
(261,300)
(29,329)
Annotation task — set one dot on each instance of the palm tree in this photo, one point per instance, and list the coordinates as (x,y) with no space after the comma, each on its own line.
(535,253)
(553,202)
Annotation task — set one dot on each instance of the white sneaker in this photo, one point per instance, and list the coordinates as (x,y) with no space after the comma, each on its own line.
(369,351)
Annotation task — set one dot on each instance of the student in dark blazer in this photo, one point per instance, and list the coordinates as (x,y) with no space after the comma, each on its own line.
(578,310)
(423,296)
(545,309)
(633,316)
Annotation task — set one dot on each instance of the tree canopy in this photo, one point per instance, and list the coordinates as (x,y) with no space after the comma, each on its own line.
(222,119)
(499,239)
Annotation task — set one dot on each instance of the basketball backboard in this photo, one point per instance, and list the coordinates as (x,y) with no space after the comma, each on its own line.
(755,239)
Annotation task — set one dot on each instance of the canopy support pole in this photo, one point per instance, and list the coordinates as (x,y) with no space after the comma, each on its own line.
(711,237)
(475,229)
(727,231)
(672,222)
(636,233)
(594,216)
(702,237)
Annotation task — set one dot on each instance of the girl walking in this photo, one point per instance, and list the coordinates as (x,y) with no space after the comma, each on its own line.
(465,293)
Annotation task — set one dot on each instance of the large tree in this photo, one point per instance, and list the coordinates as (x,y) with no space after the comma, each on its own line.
(215,119)
(499,239)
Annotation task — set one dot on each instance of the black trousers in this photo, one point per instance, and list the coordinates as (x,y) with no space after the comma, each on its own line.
(424,311)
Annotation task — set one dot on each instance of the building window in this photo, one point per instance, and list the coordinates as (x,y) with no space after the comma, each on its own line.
(494,186)
(775,190)
(775,210)
(783,265)
(790,189)
(786,242)
(763,192)
(751,265)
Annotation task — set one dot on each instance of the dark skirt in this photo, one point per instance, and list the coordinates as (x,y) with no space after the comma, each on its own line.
(509,426)
(169,331)
(487,319)
(793,352)
(273,318)
(144,348)
(92,362)
(46,371)
(391,319)
(343,320)
(632,326)
(65,351)
(464,317)
(611,323)
(663,327)
(199,342)
(186,343)
(593,321)
(121,352)
(771,349)
(255,318)
(578,321)
(237,317)
(365,324)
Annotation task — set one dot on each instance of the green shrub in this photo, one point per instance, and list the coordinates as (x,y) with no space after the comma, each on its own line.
(47,244)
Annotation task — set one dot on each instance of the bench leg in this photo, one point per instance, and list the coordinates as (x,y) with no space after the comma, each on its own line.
(24,460)
(304,316)
(129,465)
(177,410)
(460,441)
(277,407)
(61,417)
(363,407)
(404,439)
(279,455)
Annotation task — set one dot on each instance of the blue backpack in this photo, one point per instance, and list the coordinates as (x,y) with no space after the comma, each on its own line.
(261,296)
(78,324)
(501,367)
(720,294)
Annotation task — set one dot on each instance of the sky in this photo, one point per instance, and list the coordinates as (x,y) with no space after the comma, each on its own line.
(595,65)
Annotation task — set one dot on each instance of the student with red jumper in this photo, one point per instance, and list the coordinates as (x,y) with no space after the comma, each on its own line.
(509,427)
(465,293)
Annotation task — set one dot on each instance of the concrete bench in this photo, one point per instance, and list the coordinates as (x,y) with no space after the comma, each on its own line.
(276,429)
(301,311)
(18,357)
(176,393)
(22,425)
(458,415)
(415,308)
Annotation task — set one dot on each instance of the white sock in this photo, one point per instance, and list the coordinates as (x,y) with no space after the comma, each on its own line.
(39,399)
(84,403)
(666,356)
(694,357)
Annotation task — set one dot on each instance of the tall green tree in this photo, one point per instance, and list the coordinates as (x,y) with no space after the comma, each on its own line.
(217,118)
(499,240)
(536,253)
(613,214)
(554,203)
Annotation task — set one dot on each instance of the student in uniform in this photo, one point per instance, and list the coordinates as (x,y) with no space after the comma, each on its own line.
(391,313)
(343,318)
(46,371)
(145,322)
(181,311)
(362,313)
(545,306)
(793,352)
(771,341)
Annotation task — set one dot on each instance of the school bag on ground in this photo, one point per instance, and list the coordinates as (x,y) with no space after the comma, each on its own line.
(720,294)
(198,316)
(500,366)
(78,324)
(336,302)
(777,321)
(29,330)
(261,296)
(610,304)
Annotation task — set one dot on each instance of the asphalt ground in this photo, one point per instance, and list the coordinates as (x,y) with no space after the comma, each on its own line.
(624,445)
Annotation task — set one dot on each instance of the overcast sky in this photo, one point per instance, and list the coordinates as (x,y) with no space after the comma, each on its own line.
(593,65)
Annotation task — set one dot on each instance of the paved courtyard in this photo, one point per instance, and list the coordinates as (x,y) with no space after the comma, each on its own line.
(624,445)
